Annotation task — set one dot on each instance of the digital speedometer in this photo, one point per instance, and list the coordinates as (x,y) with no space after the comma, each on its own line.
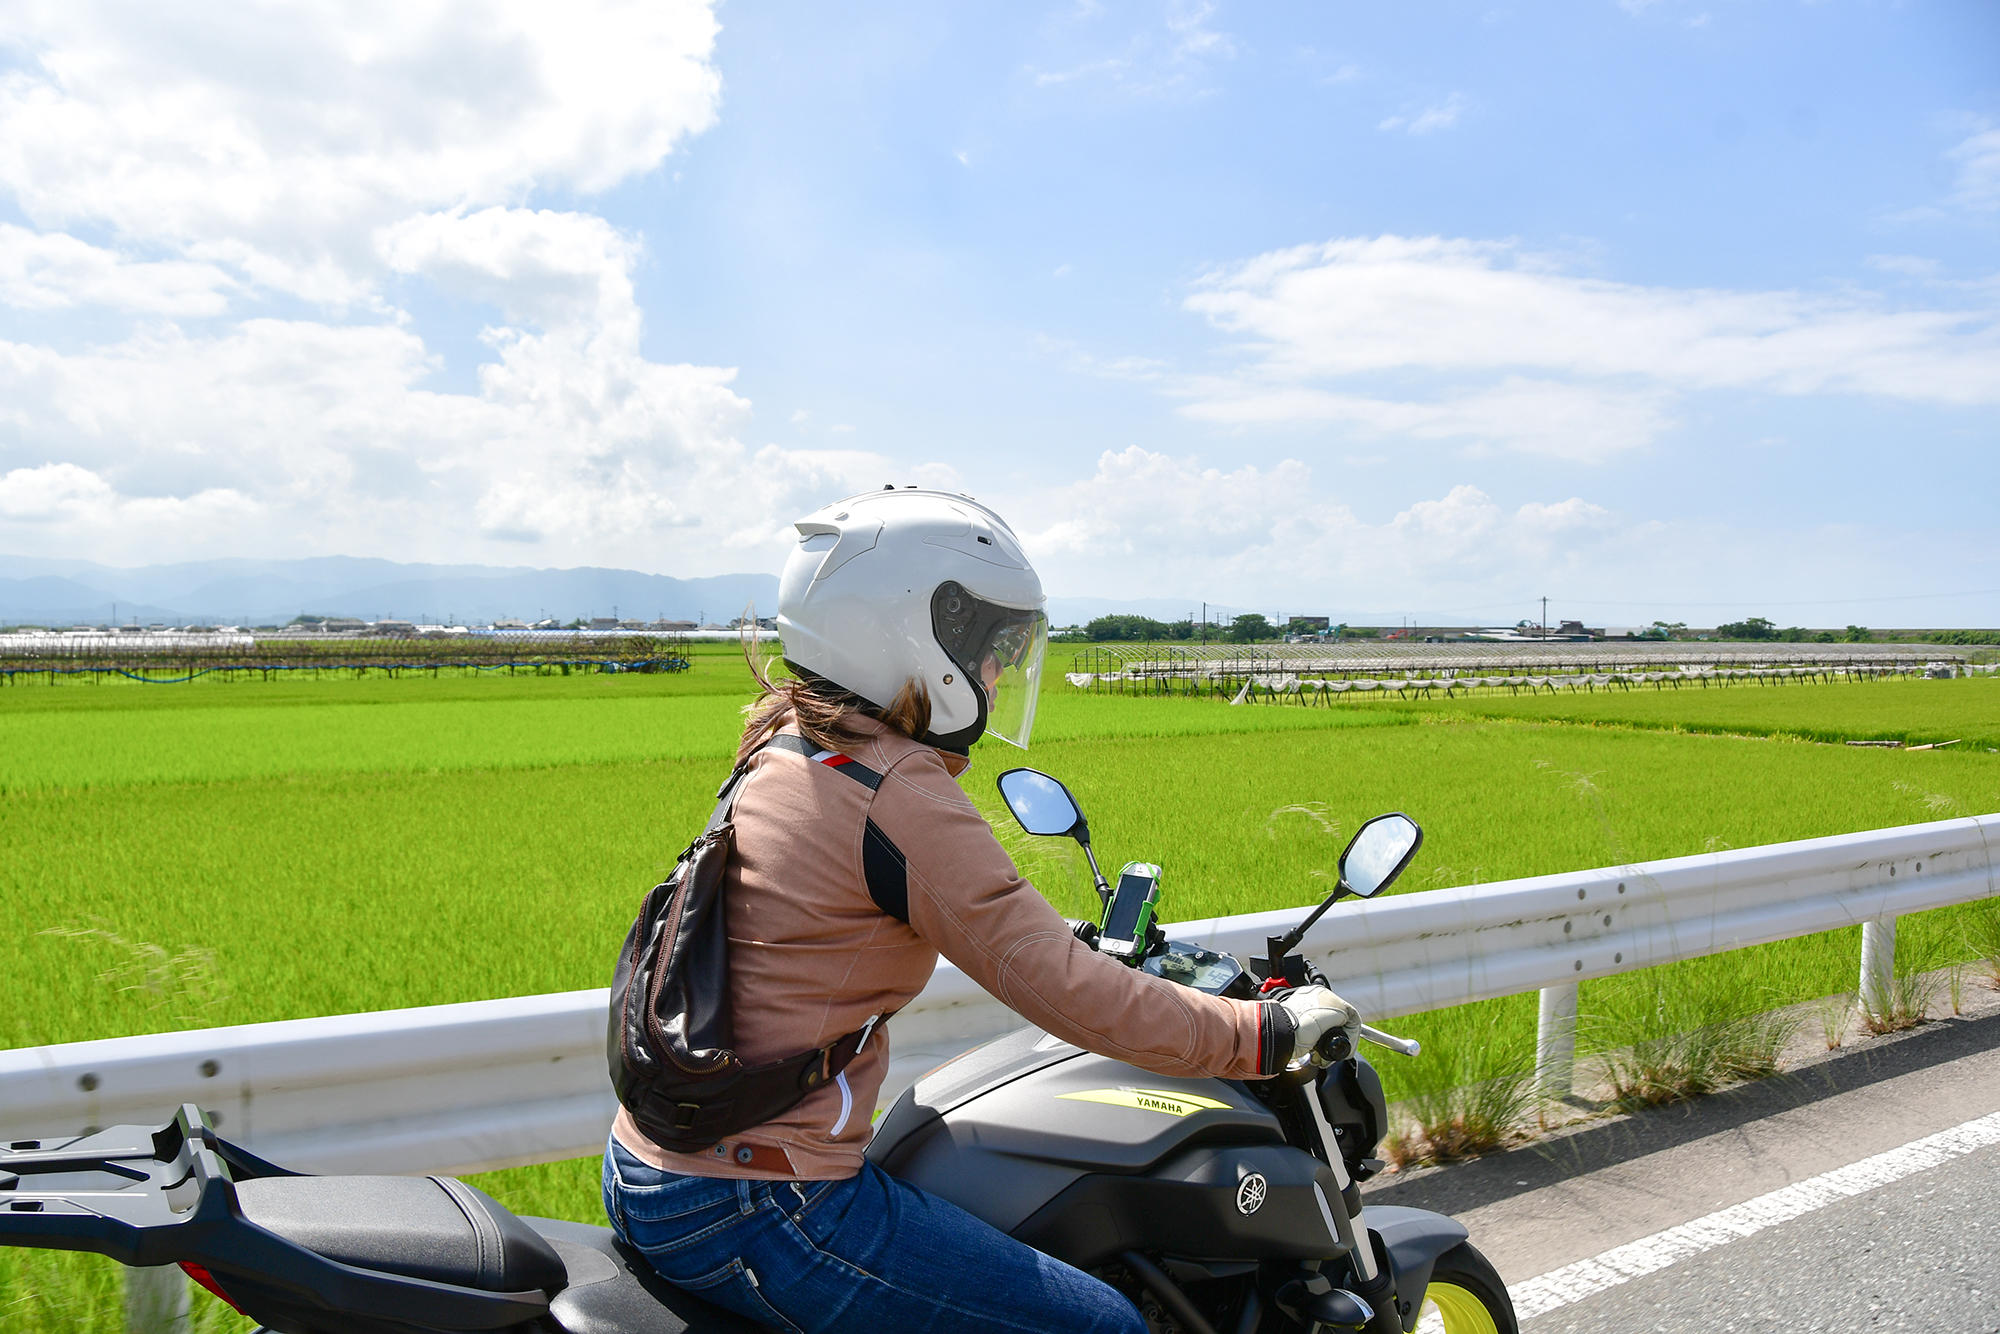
(1194,966)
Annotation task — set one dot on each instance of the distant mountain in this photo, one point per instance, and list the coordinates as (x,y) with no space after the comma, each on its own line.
(39,591)
(254,592)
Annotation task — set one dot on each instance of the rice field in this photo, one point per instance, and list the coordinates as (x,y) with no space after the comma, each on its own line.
(227,853)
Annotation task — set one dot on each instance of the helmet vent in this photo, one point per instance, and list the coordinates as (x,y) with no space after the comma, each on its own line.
(985,540)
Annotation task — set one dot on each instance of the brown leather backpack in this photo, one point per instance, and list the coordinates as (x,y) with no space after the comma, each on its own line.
(670,1038)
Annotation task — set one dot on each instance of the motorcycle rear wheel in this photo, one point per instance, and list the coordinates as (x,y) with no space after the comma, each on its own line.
(1466,1296)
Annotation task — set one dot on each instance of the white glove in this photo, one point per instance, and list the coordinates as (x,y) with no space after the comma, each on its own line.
(1316,1012)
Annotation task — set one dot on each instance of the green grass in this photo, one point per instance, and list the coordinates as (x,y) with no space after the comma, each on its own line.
(226,853)
(1898,709)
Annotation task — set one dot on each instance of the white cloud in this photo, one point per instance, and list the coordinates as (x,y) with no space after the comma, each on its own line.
(72,499)
(1977,160)
(320,150)
(1278,537)
(53,270)
(286,135)
(1907,266)
(1180,525)
(1535,358)
(1580,423)
(327,440)
(1170,57)
(1440,116)
(540,267)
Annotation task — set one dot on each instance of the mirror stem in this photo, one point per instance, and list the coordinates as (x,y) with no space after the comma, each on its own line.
(1103,888)
(1292,937)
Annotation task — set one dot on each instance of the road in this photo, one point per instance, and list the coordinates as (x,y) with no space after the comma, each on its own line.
(1860,1193)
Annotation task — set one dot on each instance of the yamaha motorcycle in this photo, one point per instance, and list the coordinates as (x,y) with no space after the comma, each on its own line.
(1218,1206)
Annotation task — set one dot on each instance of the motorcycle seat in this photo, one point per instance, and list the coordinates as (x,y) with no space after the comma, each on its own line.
(433,1228)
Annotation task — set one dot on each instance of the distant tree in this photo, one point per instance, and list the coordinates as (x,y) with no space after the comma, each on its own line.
(303,619)
(1754,628)
(1250,627)
(1124,627)
(1859,634)
(1794,634)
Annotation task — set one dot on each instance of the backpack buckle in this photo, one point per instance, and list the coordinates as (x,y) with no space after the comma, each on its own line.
(684,1115)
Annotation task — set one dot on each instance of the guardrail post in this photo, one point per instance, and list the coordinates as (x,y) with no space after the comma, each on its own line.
(1878,964)
(156,1300)
(1555,1042)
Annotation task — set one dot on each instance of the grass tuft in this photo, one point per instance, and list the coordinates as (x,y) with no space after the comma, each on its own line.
(1906,1003)
(1468,1095)
(1836,1014)
(1982,938)
(1676,1036)
(1677,1066)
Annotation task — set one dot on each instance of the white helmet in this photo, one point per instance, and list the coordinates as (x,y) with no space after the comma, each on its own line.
(895,586)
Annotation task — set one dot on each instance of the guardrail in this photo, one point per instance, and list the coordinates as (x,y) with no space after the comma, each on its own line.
(457,1088)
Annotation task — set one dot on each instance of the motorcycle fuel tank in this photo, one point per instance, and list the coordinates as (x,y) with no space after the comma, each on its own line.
(1084,1157)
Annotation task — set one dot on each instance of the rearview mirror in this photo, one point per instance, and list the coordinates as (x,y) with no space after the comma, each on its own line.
(1378,853)
(1040,803)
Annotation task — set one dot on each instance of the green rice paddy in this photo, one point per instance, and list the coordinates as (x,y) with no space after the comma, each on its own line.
(234,852)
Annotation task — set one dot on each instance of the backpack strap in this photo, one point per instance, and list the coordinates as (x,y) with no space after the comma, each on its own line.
(725,796)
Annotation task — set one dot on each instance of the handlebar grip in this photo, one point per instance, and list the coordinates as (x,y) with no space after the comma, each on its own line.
(1407,1046)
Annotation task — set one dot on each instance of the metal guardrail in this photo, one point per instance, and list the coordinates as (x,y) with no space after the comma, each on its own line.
(455,1088)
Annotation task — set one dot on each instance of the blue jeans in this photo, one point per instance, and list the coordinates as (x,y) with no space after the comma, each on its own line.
(868,1255)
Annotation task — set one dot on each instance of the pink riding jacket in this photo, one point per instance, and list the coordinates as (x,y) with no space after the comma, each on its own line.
(842,896)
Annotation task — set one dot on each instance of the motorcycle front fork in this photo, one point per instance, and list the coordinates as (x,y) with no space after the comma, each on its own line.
(1373,1283)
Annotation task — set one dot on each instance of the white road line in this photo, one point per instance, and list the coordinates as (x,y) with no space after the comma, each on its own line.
(1586,1278)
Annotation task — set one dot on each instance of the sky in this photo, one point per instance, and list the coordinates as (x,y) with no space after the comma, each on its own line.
(1659,309)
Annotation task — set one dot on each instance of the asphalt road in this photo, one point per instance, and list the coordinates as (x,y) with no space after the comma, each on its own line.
(1922,1253)
(1860,1193)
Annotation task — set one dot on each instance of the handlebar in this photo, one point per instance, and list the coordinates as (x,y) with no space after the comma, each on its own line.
(1407,1046)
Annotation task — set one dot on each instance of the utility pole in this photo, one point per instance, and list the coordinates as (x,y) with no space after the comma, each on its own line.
(1545,618)
(1204,623)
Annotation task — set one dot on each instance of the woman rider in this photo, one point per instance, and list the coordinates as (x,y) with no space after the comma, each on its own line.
(913,626)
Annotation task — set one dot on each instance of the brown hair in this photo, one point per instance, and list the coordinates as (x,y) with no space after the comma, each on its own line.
(819,708)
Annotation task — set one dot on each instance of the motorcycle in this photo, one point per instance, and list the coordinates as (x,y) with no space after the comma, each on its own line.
(1218,1206)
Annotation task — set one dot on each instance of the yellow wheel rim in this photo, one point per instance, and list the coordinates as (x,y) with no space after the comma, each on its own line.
(1456,1310)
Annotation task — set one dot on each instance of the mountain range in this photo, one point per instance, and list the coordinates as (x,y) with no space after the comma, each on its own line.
(271,592)
(38,590)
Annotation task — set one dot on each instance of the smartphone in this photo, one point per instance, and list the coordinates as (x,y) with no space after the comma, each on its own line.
(1130,912)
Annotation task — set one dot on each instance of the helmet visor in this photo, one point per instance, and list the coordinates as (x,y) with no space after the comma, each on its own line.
(1001,649)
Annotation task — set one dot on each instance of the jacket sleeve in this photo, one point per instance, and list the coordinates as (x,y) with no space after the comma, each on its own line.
(967,899)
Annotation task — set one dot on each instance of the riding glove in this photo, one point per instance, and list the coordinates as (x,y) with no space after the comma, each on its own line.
(1311,1013)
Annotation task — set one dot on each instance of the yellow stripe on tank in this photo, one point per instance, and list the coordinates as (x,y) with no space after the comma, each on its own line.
(1149,1100)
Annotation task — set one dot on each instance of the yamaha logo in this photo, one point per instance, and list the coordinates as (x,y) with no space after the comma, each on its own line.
(1250,1195)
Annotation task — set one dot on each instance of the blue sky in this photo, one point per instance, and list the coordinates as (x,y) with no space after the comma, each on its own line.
(1659,309)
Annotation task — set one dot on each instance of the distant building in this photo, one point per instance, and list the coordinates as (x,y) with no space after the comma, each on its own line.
(673,625)
(388,627)
(603,623)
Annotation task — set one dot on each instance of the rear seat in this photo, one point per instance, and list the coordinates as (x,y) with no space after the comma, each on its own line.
(433,1228)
